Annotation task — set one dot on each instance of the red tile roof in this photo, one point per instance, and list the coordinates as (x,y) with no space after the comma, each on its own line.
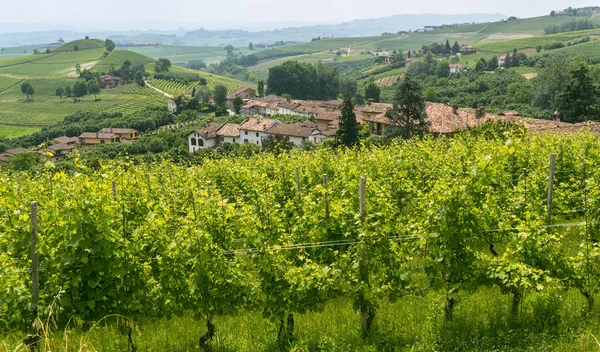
(229,130)
(254,124)
(209,131)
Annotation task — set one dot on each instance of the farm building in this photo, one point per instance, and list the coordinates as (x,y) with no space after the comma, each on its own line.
(253,130)
(108,81)
(205,137)
(244,93)
(89,139)
(124,133)
(456,68)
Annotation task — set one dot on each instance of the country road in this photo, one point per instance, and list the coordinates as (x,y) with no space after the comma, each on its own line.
(158,90)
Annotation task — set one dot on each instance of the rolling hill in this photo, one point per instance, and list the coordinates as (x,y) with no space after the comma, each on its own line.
(48,72)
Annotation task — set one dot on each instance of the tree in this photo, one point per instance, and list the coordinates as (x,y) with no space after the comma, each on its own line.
(538,48)
(93,88)
(79,89)
(430,94)
(250,46)
(348,86)
(229,49)
(61,40)
(237,104)
(261,88)
(202,81)
(552,13)
(492,64)
(78,69)
(109,44)
(35,51)
(507,60)
(162,65)
(27,89)
(220,95)
(579,100)
(76,48)
(60,92)
(455,48)
(48,51)
(408,111)
(24,161)
(348,131)
(447,47)
(68,91)
(203,95)
(277,144)
(87,37)
(372,91)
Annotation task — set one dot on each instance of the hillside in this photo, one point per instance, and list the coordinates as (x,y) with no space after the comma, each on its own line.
(81,44)
(48,72)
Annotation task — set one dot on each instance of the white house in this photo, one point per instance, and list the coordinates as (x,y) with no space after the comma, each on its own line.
(295,133)
(229,133)
(253,130)
(456,68)
(205,137)
(502,60)
(172,106)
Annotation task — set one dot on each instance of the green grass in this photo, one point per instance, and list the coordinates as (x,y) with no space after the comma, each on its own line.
(549,322)
(22,59)
(82,44)
(7,131)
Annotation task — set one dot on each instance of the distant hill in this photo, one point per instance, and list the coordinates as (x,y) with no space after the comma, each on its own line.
(361,27)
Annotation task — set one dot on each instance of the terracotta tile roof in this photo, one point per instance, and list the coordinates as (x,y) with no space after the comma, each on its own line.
(209,131)
(457,66)
(229,130)
(330,133)
(15,151)
(117,130)
(380,108)
(306,109)
(254,124)
(271,99)
(98,135)
(328,116)
(63,146)
(253,103)
(65,140)
(241,92)
(300,129)
(290,105)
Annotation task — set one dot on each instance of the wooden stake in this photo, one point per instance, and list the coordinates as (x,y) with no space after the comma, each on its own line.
(114,189)
(551,185)
(326,197)
(363,204)
(35,287)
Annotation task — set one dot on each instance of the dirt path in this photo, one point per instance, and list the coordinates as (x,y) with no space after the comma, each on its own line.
(14,76)
(158,90)
(72,73)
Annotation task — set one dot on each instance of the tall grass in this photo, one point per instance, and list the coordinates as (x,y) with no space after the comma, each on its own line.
(548,322)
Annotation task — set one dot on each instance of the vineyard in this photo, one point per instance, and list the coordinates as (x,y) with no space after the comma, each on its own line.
(387,81)
(176,88)
(286,235)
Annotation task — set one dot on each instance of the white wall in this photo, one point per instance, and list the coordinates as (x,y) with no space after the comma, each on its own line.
(231,140)
(205,143)
(251,137)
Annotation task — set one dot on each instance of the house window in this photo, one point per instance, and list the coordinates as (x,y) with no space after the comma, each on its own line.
(222,139)
(246,132)
(256,134)
(200,142)
(102,141)
(303,138)
(257,142)
(234,140)
(193,141)
(245,141)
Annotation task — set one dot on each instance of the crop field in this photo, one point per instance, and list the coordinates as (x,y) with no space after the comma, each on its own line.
(8,131)
(441,244)
(18,51)
(501,47)
(82,44)
(117,57)
(8,82)
(184,54)
(74,57)
(589,51)
(22,59)
(34,69)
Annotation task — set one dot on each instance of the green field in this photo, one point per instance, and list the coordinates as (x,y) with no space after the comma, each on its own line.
(117,57)
(74,57)
(183,54)
(82,44)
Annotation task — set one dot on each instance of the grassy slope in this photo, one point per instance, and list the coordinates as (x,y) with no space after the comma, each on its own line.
(184,54)
(82,44)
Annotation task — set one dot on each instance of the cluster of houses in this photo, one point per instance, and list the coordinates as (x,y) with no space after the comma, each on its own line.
(58,148)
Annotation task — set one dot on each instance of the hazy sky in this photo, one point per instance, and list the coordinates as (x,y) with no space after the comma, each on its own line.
(212,13)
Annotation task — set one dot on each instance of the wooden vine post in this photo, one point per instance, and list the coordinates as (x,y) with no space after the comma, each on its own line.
(551,186)
(35,287)
(364,325)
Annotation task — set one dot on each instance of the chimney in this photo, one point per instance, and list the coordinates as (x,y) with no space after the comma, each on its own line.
(370,101)
(455,109)
(264,126)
